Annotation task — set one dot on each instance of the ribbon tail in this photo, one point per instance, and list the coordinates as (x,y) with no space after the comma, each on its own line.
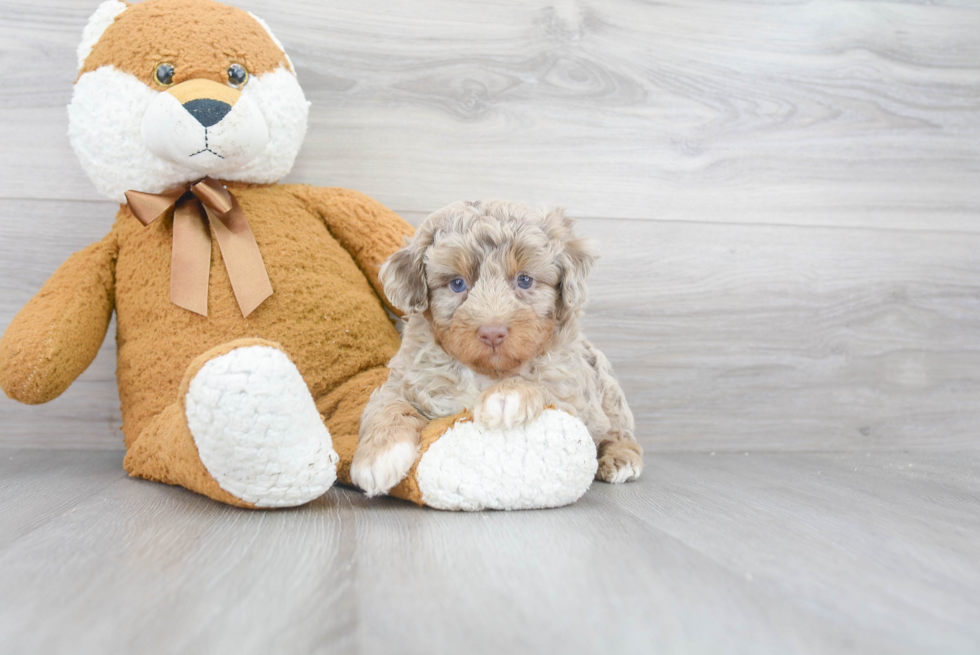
(243,261)
(190,258)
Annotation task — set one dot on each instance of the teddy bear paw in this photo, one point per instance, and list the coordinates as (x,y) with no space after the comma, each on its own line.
(257,429)
(549,462)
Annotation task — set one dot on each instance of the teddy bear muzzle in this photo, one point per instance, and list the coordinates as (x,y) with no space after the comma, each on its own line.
(207,127)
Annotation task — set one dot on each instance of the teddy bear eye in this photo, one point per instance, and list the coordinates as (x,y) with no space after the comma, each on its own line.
(524,281)
(458,284)
(164,74)
(237,76)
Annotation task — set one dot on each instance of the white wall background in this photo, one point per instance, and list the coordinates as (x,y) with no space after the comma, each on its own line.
(787,194)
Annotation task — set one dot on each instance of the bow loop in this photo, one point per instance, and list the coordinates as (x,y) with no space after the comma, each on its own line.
(148,207)
(213,195)
(190,260)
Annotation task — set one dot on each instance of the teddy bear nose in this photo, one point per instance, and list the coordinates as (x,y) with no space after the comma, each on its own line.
(207,112)
(492,335)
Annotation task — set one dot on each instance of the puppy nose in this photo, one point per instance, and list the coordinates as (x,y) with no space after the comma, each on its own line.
(208,112)
(492,335)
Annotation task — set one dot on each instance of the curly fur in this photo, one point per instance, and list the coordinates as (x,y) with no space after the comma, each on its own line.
(443,367)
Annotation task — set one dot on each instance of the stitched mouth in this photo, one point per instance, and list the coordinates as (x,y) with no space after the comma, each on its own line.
(206,147)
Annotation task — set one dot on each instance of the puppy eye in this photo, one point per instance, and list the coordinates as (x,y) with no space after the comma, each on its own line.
(164,74)
(524,281)
(458,285)
(237,76)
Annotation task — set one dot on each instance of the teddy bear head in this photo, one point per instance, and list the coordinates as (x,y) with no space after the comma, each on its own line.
(170,91)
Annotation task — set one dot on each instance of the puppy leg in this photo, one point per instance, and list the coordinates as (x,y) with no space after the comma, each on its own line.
(389,443)
(619,461)
(620,457)
(510,403)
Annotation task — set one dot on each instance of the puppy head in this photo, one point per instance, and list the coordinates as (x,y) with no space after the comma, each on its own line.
(169,91)
(496,281)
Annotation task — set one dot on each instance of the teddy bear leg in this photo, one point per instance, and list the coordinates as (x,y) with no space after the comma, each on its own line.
(165,452)
(244,430)
(462,465)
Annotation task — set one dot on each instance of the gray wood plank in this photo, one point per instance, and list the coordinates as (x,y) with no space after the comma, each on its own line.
(169,572)
(854,114)
(781,338)
(866,540)
(795,552)
(38,486)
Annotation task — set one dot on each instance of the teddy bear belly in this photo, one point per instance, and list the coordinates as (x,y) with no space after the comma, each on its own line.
(323,312)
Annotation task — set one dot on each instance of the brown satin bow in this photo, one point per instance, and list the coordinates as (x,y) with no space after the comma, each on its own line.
(190,258)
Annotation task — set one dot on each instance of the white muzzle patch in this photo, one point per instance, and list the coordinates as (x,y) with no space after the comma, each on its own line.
(207,136)
(114,118)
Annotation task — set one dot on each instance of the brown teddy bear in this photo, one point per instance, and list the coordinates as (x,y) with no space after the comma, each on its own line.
(251,323)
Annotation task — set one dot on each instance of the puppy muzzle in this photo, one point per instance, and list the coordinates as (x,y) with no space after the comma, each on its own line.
(208,127)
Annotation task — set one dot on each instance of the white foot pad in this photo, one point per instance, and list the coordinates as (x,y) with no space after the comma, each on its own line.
(257,429)
(550,462)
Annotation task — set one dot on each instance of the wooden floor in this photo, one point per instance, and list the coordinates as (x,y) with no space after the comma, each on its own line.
(712,553)
(787,198)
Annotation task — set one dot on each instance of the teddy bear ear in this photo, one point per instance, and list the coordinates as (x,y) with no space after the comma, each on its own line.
(97,25)
(268,30)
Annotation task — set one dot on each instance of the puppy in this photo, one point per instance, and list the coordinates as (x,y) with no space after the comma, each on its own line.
(492,292)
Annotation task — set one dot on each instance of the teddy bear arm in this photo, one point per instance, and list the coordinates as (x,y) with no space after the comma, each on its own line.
(58,332)
(368,230)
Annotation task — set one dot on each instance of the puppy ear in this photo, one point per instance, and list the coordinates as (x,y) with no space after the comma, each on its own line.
(576,261)
(403,277)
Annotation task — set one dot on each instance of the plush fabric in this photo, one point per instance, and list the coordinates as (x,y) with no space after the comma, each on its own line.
(262,411)
(209,36)
(220,404)
(324,311)
(257,429)
(99,22)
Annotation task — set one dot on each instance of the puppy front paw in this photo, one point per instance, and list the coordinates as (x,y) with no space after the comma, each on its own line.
(619,461)
(376,471)
(508,405)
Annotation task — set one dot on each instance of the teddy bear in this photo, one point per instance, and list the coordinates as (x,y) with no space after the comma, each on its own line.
(251,324)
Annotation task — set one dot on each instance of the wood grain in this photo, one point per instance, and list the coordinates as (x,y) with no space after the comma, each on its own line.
(831,113)
(785,338)
(802,553)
